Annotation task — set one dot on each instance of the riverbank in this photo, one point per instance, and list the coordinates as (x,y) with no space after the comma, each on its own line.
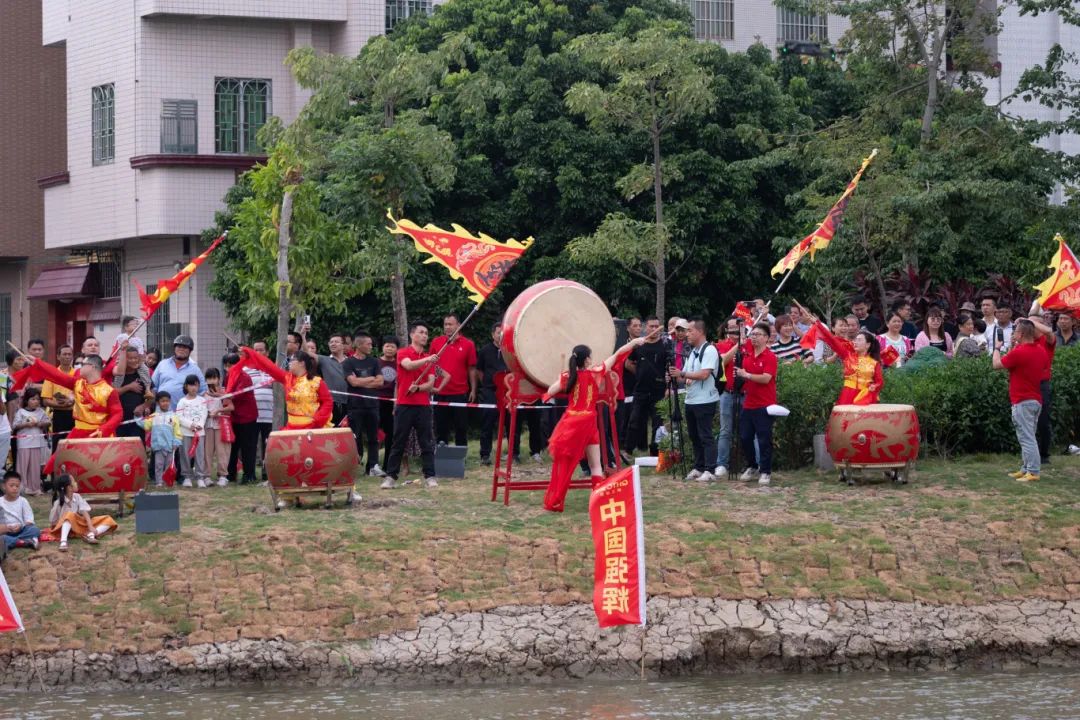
(246,588)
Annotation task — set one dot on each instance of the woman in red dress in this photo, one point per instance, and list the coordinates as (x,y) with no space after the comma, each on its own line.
(577,432)
(861,357)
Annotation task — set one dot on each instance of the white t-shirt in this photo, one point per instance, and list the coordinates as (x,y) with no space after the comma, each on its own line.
(191,412)
(31,437)
(17,511)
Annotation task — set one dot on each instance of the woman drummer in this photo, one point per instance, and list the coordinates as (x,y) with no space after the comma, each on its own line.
(861,357)
(308,402)
(576,433)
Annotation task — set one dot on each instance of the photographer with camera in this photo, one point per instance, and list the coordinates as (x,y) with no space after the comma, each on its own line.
(650,364)
(698,374)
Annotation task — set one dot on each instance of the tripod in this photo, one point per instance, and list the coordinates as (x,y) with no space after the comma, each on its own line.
(736,409)
(677,435)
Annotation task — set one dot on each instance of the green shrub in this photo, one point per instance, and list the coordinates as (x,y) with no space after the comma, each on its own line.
(963,405)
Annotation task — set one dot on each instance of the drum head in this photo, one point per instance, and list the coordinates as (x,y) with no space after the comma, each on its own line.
(555,320)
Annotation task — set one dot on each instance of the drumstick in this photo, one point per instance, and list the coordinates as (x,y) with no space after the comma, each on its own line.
(230,339)
(16,349)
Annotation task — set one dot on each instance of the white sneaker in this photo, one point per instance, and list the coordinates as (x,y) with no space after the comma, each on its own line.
(720,471)
(693,475)
(201,483)
(748,474)
(765,479)
(706,477)
(376,471)
(222,481)
(186,483)
(537,458)
(388,483)
(431,482)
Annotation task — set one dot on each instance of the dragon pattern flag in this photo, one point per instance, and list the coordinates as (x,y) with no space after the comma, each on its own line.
(823,235)
(1061,291)
(479,262)
(165,288)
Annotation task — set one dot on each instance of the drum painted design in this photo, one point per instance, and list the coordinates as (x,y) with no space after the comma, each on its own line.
(104,465)
(546,321)
(873,434)
(311,458)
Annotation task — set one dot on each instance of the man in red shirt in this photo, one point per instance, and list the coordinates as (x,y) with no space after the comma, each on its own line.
(758,373)
(1047,340)
(245,420)
(1026,363)
(729,339)
(458,361)
(415,381)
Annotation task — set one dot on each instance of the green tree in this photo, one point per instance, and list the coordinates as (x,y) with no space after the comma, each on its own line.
(659,81)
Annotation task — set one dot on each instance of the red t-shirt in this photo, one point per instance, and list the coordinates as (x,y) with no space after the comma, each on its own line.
(722,347)
(245,410)
(1048,343)
(456,361)
(1025,363)
(406,378)
(759,395)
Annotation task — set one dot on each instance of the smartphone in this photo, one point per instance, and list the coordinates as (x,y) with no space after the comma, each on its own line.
(307,320)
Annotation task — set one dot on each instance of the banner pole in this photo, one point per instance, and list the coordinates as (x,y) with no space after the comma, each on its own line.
(33,660)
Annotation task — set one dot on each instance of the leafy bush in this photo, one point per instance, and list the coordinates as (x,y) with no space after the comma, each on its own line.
(963,405)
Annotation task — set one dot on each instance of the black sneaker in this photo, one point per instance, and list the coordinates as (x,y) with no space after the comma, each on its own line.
(485,460)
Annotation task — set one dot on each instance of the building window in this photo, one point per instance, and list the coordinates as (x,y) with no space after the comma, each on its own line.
(5,318)
(179,126)
(159,331)
(241,108)
(103,124)
(398,10)
(792,26)
(713,19)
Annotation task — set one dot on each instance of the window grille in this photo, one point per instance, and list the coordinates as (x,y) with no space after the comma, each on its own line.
(179,126)
(159,331)
(103,123)
(241,108)
(398,10)
(793,26)
(713,19)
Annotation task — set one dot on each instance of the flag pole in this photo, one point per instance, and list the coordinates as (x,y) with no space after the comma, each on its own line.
(453,335)
(33,660)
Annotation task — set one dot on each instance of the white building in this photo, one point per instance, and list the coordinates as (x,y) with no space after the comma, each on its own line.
(164,98)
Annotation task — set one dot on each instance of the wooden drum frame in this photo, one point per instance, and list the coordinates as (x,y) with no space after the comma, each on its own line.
(311,462)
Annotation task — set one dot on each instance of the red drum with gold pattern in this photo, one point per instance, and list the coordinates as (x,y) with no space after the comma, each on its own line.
(873,436)
(545,322)
(104,466)
(311,459)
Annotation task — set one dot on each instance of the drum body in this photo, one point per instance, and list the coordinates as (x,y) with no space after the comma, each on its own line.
(297,459)
(873,435)
(545,322)
(104,466)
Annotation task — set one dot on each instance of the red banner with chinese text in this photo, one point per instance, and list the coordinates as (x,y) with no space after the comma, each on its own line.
(619,538)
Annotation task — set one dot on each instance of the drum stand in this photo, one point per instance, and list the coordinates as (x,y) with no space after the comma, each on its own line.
(520,391)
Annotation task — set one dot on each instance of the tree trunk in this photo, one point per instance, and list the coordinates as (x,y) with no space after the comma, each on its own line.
(284,304)
(661,244)
(930,109)
(397,297)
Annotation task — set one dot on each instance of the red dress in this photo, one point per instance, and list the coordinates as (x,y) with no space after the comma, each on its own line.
(860,371)
(577,429)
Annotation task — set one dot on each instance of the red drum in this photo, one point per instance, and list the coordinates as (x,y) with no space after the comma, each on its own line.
(873,436)
(300,462)
(545,322)
(104,466)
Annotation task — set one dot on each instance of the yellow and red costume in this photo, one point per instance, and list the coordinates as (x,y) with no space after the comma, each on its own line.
(97,405)
(308,402)
(863,378)
(576,430)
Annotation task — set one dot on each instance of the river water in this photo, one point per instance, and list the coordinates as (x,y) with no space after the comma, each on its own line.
(955,696)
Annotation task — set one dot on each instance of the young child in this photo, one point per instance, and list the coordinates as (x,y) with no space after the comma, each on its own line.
(191,412)
(127,327)
(164,429)
(70,512)
(218,414)
(31,422)
(16,516)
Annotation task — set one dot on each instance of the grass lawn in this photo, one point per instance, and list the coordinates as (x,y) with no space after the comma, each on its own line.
(962,532)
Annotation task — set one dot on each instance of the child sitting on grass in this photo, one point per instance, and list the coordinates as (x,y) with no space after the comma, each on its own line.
(31,423)
(164,430)
(70,512)
(17,516)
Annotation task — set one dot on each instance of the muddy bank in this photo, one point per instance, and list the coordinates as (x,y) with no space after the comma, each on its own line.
(540,643)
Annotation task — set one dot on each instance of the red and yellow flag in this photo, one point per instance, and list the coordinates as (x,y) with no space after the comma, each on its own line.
(1061,291)
(619,539)
(165,288)
(479,262)
(823,235)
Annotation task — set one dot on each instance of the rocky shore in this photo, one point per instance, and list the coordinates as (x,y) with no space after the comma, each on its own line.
(543,643)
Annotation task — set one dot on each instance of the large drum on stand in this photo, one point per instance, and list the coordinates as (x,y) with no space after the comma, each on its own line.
(311,462)
(107,469)
(873,437)
(545,322)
